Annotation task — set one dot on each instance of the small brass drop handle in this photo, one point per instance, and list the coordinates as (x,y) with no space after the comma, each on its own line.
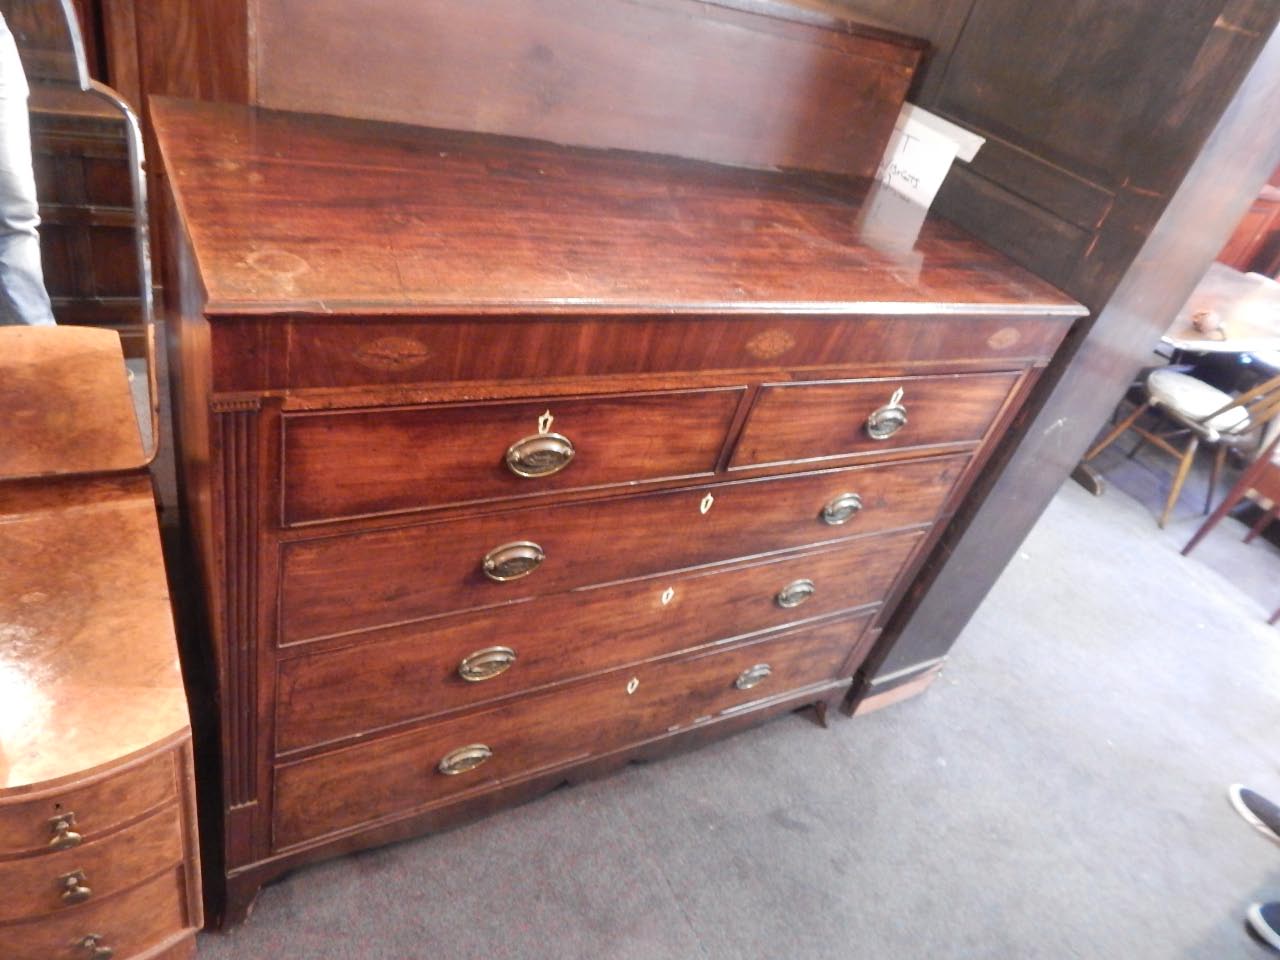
(75,887)
(795,593)
(540,455)
(840,510)
(486,664)
(753,676)
(64,838)
(463,759)
(511,561)
(97,950)
(889,419)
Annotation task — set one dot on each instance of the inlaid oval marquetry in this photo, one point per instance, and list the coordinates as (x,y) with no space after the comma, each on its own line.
(770,344)
(1003,339)
(277,263)
(392,353)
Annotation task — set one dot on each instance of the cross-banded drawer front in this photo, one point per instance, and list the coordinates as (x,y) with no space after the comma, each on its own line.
(49,884)
(344,583)
(411,770)
(359,463)
(807,421)
(435,666)
(124,925)
(64,820)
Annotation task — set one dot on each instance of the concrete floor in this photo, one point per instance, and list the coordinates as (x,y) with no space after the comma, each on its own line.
(1059,792)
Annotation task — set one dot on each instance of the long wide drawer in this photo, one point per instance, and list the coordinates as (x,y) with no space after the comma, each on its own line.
(128,924)
(69,879)
(806,421)
(432,667)
(430,456)
(396,774)
(344,583)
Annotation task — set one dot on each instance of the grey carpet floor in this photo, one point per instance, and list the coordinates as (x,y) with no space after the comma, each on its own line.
(1058,792)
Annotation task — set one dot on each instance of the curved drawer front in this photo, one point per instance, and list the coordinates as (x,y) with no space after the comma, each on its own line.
(344,583)
(31,826)
(805,421)
(72,879)
(360,463)
(331,792)
(417,670)
(128,924)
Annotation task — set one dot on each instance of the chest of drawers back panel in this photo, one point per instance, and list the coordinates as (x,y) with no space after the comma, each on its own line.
(545,458)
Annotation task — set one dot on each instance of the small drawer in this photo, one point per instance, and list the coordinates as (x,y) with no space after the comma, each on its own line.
(345,583)
(432,667)
(86,874)
(810,421)
(397,774)
(79,814)
(361,463)
(128,924)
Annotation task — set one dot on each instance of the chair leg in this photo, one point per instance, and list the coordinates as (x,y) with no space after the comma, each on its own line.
(1261,524)
(1114,435)
(1219,458)
(1184,467)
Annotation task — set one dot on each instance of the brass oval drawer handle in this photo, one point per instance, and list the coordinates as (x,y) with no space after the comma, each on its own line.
(97,950)
(463,759)
(540,455)
(75,887)
(795,593)
(841,509)
(753,676)
(511,561)
(486,664)
(889,419)
(64,838)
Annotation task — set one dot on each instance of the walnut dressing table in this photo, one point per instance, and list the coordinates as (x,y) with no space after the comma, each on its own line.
(507,463)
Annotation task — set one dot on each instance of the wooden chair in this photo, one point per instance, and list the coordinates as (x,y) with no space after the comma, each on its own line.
(1200,414)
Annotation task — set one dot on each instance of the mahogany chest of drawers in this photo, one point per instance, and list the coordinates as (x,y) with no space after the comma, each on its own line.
(508,463)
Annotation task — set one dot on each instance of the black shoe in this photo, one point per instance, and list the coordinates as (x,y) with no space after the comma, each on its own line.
(1264,918)
(1257,810)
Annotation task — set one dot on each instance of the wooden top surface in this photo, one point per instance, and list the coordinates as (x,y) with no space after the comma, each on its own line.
(88,661)
(66,402)
(298,213)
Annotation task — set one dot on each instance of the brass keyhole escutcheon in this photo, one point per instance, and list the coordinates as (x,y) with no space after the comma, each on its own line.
(668,595)
(633,685)
(889,419)
(706,503)
(511,561)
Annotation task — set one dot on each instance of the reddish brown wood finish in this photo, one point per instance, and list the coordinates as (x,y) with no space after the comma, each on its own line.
(474,281)
(130,923)
(411,672)
(810,421)
(338,584)
(745,86)
(33,886)
(435,221)
(358,784)
(422,457)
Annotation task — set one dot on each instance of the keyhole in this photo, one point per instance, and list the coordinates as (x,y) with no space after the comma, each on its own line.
(545,421)
(707,501)
(668,595)
(633,685)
